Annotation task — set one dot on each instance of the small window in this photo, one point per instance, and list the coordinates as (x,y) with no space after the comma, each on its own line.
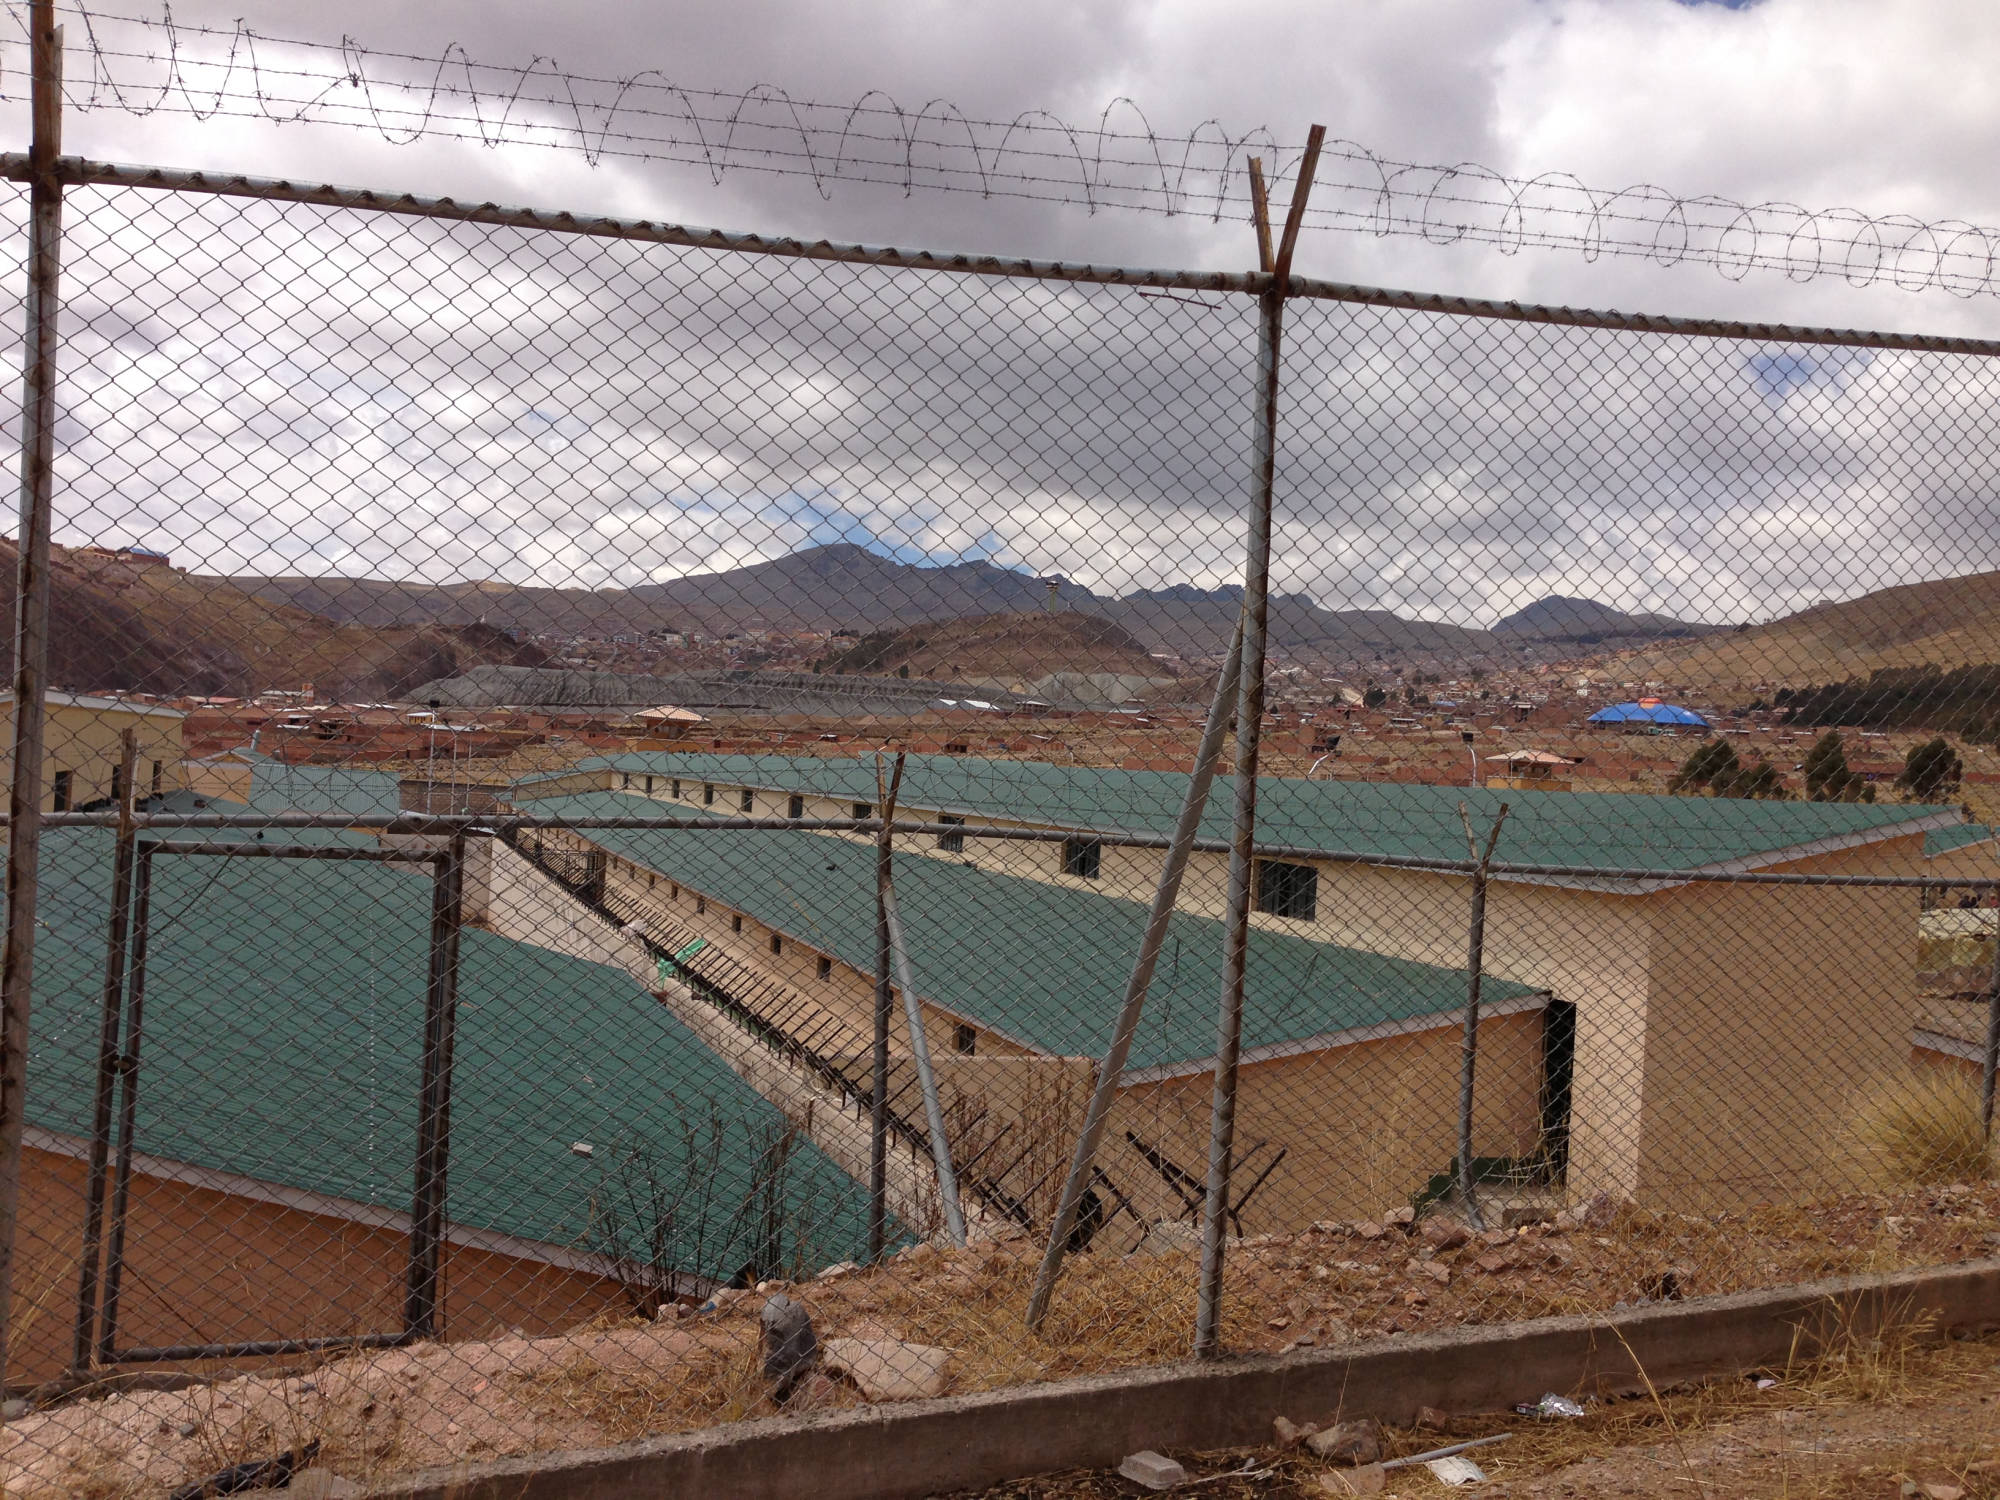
(964,1039)
(649,786)
(864,810)
(1083,857)
(159,774)
(746,800)
(796,807)
(652,880)
(700,905)
(117,783)
(673,893)
(735,924)
(825,967)
(708,794)
(677,787)
(626,782)
(777,944)
(958,747)
(64,780)
(1287,890)
(951,843)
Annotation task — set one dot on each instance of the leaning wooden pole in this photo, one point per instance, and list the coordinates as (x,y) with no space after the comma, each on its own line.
(1249,722)
(31,624)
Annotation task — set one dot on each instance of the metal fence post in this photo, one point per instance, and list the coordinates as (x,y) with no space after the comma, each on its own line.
(1249,724)
(1991,1068)
(1165,897)
(31,626)
(128,1102)
(109,1028)
(1475,964)
(878,1112)
(427,1214)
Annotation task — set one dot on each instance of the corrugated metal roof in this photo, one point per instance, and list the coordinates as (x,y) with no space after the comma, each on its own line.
(284,1014)
(1616,830)
(1042,963)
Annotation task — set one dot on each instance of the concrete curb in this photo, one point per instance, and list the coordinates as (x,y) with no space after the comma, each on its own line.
(921,1448)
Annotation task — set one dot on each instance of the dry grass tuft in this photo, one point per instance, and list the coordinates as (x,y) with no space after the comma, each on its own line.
(1922,1128)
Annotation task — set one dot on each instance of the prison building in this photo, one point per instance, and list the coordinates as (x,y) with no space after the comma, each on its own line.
(1690,997)
(1350,1059)
(279,1074)
(83,748)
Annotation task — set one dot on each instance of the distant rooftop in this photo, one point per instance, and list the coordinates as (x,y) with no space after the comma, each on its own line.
(1042,963)
(1603,829)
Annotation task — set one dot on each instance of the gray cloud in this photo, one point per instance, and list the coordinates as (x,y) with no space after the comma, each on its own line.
(265,389)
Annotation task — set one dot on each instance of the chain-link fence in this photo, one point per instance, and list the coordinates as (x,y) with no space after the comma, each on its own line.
(628,827)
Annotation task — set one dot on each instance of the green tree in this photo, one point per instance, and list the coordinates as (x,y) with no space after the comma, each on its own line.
(1932,771)
(1828,778)
(1761,780)
(1698,773)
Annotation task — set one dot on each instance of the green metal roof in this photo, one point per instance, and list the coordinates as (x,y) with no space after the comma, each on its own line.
(1944,840)
(278,787)
(1043,963)
(1601,829)
(283,1026)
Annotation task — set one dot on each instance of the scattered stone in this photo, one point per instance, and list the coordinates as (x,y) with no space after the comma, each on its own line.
(1367,1479)
(1289,1434)
(1349,1442)
(14,1409)
(1168,1238)
(791,1349)
(1154,1470)
(889,1369)
(1400,1218)
(1936,1491)
(1368,1229)
(1446,1234)
(186,1430)
(844,1268)
(1433,1420)
(1494,1263)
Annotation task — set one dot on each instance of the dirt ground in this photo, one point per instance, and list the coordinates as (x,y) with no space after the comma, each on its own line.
(1880,1423)
(384,1412)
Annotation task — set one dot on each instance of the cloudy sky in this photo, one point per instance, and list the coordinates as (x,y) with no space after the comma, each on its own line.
(295,390)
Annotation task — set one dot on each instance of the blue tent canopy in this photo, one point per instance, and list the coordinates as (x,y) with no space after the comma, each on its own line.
(1649,711)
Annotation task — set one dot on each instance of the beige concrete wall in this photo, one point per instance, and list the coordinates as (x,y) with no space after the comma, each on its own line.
(210,1266)
(1615,955)
(1364,1126)
(85,742)
(225,780)
(1774,1011)
(1980,861)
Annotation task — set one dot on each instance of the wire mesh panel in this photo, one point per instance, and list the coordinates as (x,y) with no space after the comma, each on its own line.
(694,749)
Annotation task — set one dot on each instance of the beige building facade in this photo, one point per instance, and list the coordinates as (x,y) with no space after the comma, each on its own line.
(80,759)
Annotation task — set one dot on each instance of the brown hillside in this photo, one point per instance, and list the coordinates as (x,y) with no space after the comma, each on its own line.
(1947,622)
(117,622)
(1004,646)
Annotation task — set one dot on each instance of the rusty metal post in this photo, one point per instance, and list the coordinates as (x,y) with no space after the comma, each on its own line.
(1249,724)
(421,1299)
(1991,1068)
(109,1029)
(31,624)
